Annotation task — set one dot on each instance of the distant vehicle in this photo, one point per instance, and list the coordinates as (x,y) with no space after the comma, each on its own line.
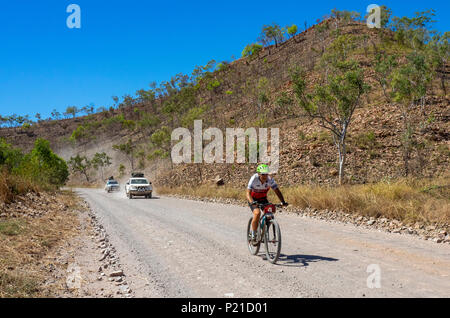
(112,185)
(138,186)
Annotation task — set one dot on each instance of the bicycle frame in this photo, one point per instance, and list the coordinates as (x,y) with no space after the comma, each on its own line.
(268,210)
(266,221)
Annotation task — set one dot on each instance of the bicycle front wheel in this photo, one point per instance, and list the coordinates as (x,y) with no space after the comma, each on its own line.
(254,249)
(272,241)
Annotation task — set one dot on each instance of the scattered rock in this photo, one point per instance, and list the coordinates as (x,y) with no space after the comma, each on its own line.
(116,273)
(334,172)
(125,289)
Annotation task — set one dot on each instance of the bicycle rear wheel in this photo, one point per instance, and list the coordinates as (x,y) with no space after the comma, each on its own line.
(272,241)
(254,249)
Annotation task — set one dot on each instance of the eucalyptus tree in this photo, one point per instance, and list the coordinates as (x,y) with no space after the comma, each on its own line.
(100,161)
(334,101)
(80,164)
(128,149)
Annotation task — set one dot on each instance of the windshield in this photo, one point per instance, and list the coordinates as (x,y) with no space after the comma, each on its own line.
(113,182)
(139,181)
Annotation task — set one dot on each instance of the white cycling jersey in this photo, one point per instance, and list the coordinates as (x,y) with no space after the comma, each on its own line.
(258,189)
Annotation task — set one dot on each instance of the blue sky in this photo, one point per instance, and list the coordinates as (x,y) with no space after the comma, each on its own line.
(122,46)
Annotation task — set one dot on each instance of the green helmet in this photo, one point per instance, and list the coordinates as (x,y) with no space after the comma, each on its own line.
(264,169)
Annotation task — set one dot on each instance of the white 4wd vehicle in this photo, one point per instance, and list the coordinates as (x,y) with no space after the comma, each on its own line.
(137,185)
(112,185)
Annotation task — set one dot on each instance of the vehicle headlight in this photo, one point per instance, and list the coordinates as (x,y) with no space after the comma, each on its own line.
(133,188)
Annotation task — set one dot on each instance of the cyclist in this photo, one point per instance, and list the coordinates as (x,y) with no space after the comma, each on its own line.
(258,186)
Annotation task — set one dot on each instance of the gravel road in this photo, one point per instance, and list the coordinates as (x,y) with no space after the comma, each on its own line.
(170,247)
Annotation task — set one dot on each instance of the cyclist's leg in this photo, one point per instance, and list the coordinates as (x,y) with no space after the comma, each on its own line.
(256,213)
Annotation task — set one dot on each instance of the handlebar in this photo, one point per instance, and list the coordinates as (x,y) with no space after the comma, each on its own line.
(262,205)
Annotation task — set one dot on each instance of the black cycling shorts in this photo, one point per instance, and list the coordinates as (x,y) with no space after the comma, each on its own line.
(262,201)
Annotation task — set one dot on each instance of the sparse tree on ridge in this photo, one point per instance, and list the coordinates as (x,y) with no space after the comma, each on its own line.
(292,30)
(71,110)
(410,80)
(439,52)
(56,115)
(251,50)
(272,34)
(116,101)
(333,102)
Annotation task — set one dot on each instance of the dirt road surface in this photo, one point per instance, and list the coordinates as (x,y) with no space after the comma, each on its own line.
(181,248)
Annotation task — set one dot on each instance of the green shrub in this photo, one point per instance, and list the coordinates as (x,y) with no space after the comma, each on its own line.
(43,166)
(261,121)
(128,124)
(366,140)
(223,66)
(213,85)
(284,100)
(78,134)
(193,114)
(292,30)
(10,157)
(11,227)
(251,50)
(121,170)
(301,135)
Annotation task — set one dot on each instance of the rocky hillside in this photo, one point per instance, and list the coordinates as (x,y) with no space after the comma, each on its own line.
(231,97)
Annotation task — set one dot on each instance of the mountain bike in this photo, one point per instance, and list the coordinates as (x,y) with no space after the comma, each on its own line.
(268,232)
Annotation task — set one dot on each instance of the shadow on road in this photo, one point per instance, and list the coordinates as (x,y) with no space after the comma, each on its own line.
(143,198)
(302,260)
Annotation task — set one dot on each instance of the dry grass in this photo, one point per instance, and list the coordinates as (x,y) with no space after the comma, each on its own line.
(89,185)
(410,200)
(405,200)
(25,246)
(11,185)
